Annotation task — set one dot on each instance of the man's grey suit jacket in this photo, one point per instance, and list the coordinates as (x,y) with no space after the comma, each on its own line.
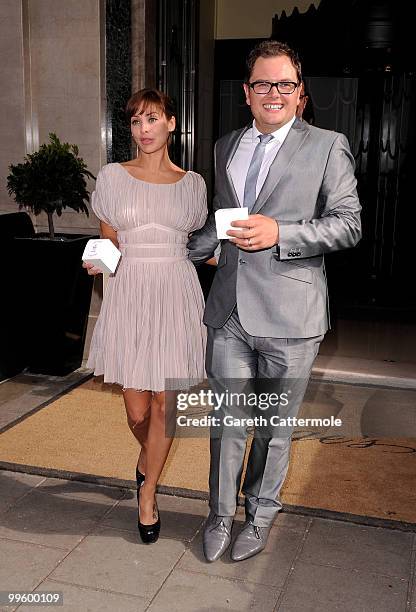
(310,190)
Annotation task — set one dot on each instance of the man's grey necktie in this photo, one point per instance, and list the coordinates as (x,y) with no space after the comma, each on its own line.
(254,170)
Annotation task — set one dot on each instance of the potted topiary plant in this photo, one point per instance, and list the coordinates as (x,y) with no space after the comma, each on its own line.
(49,263)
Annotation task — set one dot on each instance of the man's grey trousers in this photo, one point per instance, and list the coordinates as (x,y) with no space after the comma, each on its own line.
(236,361)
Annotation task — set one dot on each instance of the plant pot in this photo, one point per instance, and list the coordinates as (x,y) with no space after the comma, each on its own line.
(57,296)
(12,315)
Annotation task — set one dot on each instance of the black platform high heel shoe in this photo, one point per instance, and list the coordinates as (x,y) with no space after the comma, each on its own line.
(149,533)
(140,480)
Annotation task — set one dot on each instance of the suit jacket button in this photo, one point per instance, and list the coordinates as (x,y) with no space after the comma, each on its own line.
(241,261)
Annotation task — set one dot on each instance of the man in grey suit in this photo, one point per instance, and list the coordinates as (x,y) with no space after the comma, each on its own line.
(267,309)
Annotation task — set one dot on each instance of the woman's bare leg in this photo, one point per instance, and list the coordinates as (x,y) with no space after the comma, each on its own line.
(157,450)
(137,405)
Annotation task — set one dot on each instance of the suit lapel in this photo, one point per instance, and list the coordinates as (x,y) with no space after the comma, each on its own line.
(232,147)
(293,141)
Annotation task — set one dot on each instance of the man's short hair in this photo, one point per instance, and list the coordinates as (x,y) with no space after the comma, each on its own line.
(273,48)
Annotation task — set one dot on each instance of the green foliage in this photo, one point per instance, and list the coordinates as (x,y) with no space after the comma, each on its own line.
(50,179)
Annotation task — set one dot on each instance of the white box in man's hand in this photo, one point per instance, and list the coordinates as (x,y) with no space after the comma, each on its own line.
(223,218)
(102,253)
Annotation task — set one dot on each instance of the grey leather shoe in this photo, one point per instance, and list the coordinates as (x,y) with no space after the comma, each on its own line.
(216,536)
(250,541)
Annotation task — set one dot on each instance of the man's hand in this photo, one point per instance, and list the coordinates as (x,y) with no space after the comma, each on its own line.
(259,232)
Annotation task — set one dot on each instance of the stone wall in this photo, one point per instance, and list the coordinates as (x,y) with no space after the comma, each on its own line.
(52,81)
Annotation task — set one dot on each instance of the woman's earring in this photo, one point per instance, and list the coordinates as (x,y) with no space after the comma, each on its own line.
(137,150)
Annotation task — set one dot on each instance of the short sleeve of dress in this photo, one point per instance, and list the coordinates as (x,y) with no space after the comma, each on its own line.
(100,198)
(202,200)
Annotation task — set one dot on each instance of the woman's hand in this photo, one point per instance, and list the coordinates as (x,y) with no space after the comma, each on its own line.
(91,269)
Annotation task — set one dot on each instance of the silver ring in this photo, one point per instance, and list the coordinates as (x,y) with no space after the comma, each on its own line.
(249,242)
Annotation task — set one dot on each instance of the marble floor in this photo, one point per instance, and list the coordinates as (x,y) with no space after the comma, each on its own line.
(26,393)
(372,340)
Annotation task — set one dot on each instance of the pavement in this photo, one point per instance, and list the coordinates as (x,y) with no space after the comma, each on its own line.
(81,539)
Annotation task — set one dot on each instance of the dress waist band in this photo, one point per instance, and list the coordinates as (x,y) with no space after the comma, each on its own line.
(152,245)
(163,259)
(154,252)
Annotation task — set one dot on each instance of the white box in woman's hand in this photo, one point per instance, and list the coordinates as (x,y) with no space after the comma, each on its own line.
(102,253)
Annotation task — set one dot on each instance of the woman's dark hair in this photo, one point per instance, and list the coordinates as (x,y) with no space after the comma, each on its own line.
(146,97)
(273,48)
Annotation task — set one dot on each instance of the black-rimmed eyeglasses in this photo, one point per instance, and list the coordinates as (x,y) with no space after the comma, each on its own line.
(265,87)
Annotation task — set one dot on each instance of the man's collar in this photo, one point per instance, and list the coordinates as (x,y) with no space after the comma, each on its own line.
(279,134)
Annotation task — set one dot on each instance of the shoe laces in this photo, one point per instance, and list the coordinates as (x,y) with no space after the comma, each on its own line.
(217,522)
(257,531)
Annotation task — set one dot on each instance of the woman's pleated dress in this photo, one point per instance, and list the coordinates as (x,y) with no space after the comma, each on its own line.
(149,334)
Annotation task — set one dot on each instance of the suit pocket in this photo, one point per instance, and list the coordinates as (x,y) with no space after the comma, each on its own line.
(289,269)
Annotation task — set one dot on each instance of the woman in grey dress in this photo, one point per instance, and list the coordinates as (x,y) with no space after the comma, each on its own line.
(149,331)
